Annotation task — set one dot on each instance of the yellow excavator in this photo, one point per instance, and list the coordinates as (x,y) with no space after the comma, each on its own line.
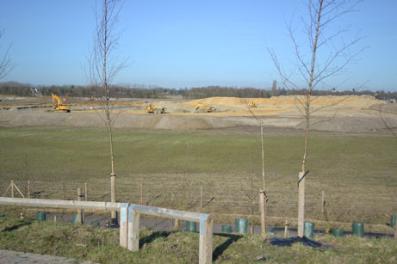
(59,105)
(200,108)
(251,104)
(152,109)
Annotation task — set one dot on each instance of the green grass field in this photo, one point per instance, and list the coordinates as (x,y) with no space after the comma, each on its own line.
(357,172)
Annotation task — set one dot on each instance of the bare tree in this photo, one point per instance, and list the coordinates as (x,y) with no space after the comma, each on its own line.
(318,60)
(5,61)
(103,69)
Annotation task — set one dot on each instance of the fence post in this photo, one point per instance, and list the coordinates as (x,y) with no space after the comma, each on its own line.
(133,229)
(301,203)
(141,192)
(176,224)
(205,243)
(12,188)
(85,191)
(201,198)
(322,202)
(286,229)
(79,215)
(263,210)
(124,225)
(28,189)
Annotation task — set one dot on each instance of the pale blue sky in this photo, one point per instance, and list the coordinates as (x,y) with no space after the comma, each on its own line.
(184,43)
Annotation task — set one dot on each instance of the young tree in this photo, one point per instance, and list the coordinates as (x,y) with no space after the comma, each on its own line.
(5,61)
(103,69)
(323,56)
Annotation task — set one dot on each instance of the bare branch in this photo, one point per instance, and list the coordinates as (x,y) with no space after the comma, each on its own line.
(5,61)
(280,71)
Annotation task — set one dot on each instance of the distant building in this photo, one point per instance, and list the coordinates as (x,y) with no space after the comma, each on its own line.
(275,89)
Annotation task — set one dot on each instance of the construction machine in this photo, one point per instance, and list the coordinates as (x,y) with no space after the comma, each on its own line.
(152,109)
(251,104)
(200,108)
(59,105)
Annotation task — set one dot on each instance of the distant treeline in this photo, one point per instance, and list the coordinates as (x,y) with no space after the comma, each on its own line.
(20,89)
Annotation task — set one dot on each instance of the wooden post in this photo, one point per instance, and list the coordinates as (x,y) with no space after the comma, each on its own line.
(322,202)
(85,191)
(133,229)
(63,190)
(28,189)
(79,215)
(176,224)
(124,225)
(262,209)
(12,188)
(201,198)
(205,243)
(18,190)
(301,203)
(286,233)
(141,192)
(113,195)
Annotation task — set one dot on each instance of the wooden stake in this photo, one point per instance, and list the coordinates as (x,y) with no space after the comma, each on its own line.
(301,204)
(12,188)
(79,215)
(201,198)
(85,191)
(141,192)
(113,194)
(19,191)
(28,189)
(176,224)
(322,202)
(251,228)
(262,209)
(286,233)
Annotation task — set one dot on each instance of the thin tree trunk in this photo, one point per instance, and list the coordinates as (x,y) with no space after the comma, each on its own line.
(303,173)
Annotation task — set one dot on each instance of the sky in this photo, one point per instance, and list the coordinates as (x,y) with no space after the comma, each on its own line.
(181,43)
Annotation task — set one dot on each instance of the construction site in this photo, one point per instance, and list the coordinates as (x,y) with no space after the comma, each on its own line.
(351,114)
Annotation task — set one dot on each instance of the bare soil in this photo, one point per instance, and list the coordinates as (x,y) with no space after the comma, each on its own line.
(349,114)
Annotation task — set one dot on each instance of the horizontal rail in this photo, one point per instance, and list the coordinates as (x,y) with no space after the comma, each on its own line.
(170,213)
(66,204)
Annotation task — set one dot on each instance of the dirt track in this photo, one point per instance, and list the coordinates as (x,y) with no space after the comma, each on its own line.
(352,114)
(13,257)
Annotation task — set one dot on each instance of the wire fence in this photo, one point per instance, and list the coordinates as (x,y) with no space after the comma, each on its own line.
(226,196)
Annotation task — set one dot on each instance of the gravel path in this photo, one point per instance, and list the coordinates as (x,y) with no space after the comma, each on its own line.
(13,257)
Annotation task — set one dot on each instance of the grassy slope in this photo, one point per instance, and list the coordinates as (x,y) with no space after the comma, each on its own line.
(100,245)
(357,172)
(49,153)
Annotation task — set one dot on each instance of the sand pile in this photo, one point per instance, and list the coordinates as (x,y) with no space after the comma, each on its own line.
(356,101)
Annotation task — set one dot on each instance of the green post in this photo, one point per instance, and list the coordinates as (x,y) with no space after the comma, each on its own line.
(358,229)
(241,225)
(309,230)
(190,226)
(337,232)
(227,229)
(41,216)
